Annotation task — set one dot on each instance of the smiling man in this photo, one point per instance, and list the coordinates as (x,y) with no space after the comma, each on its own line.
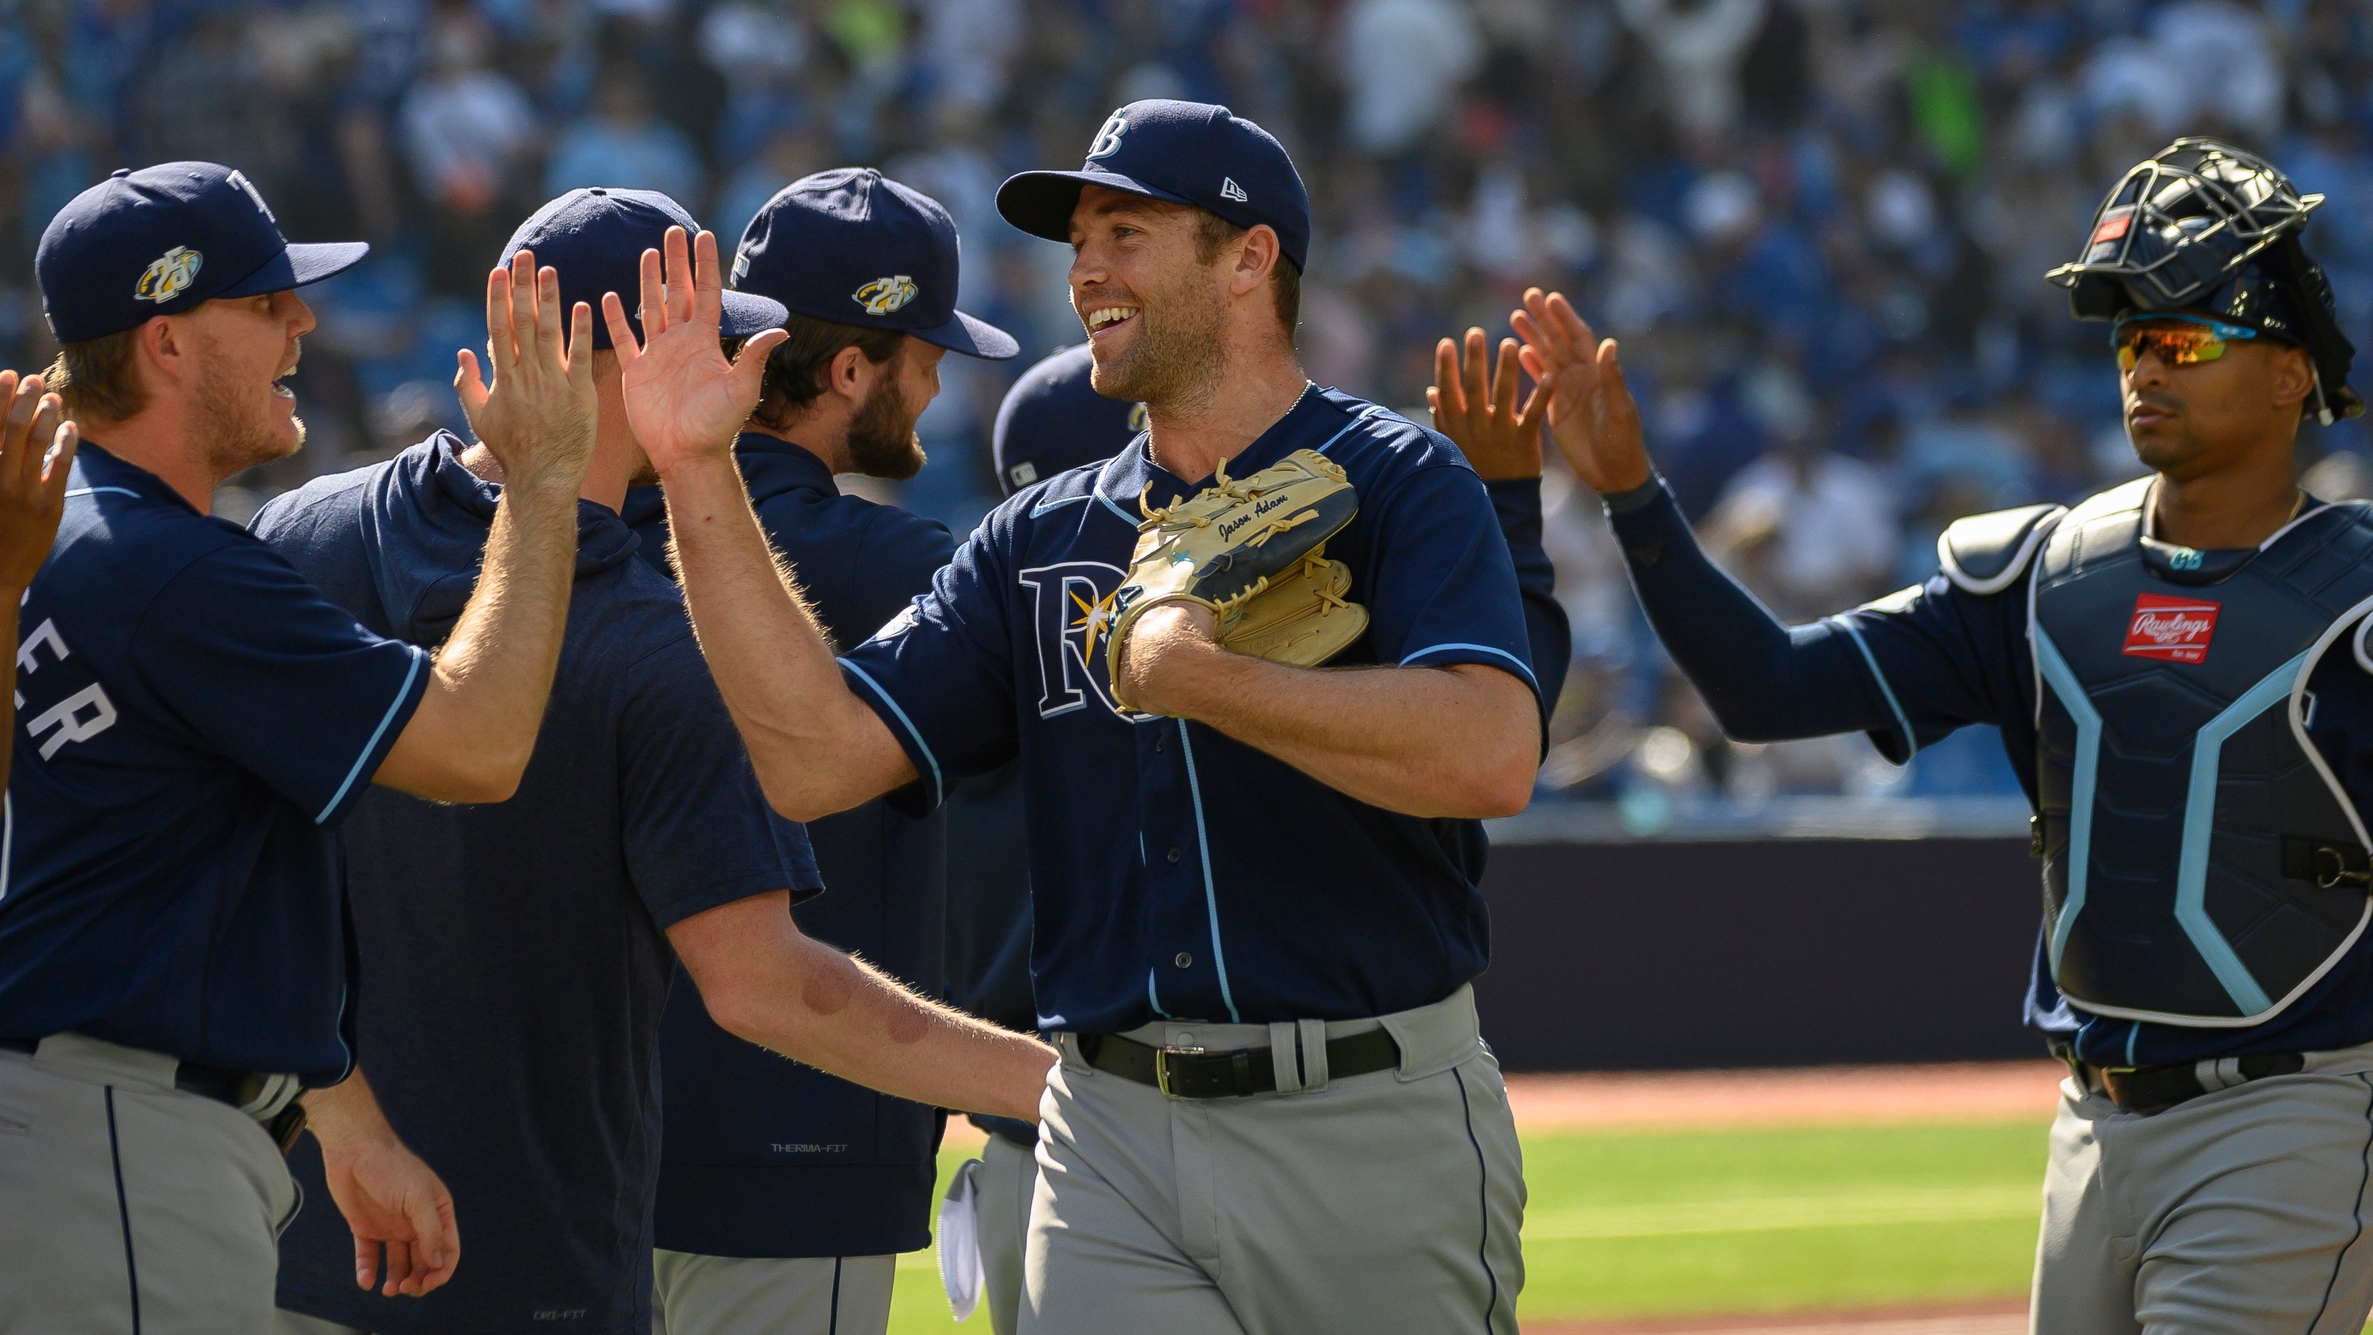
(1254,884)
(197,719)
(2180,671)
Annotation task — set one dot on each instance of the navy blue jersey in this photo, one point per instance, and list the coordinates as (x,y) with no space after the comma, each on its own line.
(765,1157)
(1175,872)
(514,957)
(1917,665)
(191,718)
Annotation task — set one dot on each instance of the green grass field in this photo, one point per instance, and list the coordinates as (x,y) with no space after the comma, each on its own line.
(1639,1224)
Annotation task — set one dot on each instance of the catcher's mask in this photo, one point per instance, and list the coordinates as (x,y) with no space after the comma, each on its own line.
(2206,228)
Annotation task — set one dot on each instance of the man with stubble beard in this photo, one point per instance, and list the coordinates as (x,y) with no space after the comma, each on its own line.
(1254,884)
(786,1194)
(173,963)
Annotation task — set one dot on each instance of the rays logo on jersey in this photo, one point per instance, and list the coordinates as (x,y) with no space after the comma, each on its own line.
(1071,610)
(884,295)
(170,276)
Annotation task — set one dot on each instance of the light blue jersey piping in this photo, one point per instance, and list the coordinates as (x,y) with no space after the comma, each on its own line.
(1911,743)
(1519,664)
(410,674)
(93,491)
(1219,957)
(938,787)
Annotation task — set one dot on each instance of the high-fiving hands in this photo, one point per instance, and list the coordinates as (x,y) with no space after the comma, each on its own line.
(1590,409)
(685,401)
(36,454)
(538,416)
(1500,440)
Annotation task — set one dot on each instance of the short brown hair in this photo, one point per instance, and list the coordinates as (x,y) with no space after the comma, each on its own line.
(96,380)
(1285,281)
(795,369)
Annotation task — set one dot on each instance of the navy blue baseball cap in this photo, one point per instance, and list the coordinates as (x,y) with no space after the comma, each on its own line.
(854,247)
(1185,152)
(163,239)
(596,239)
(1053,421)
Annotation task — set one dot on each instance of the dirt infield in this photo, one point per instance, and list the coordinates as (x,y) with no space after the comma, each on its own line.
(1987,1318)
(1814,1096)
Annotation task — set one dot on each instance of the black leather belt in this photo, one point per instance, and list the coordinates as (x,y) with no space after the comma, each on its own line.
(222,1084)
(2150,1090)
(1187,1073)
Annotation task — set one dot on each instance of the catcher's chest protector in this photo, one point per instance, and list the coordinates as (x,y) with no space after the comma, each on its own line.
(2202,866)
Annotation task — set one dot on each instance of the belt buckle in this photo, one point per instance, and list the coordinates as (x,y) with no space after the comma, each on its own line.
(1162,1068)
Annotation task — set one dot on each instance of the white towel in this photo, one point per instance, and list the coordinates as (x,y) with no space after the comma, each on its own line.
(959,1241)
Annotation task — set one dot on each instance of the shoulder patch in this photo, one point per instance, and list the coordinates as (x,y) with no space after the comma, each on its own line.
(1987,553)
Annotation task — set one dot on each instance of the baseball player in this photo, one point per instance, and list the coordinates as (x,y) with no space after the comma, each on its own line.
(36,454)
(530,1077)
(1253,881)
(195,719)
(786,1194)
(2180,672)
(1053,420)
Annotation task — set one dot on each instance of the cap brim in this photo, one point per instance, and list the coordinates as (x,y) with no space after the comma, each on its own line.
(747,313)
(972,337)
(299,265)
(1041,203)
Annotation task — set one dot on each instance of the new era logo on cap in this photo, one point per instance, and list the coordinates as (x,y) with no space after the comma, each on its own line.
(1228,189)
(2175,629)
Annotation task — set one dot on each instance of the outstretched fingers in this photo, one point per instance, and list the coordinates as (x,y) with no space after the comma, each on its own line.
(654,297)
(580,349)
(622,339)
(708,281)
(1442,395)
(679,278)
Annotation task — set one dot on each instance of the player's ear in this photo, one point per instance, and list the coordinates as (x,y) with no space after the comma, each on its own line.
(2293,378)
(1256,255)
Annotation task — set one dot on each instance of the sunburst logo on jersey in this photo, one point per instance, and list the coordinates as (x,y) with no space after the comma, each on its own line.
(1094,619)
(170,276)
(884,295)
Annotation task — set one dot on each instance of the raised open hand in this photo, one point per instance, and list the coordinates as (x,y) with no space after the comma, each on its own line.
(538,417)
(685,401)
(1590,409)
(36,454)
(1497,438)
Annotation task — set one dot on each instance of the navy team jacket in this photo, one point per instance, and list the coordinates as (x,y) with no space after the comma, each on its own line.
(762,1156)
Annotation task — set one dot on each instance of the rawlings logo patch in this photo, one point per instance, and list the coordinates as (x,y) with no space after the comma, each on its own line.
(884,295)
(2176,630)
(170,276)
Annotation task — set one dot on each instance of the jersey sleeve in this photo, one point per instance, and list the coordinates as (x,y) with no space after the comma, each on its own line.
(1907,669)
(1516,502)
(687,785)
(941,673)
(1443,588)
(275,677)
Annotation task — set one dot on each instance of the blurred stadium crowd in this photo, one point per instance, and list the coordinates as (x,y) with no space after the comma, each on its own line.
(1819,225)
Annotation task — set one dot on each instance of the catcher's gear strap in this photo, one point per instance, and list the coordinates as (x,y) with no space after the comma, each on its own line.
(1988,553)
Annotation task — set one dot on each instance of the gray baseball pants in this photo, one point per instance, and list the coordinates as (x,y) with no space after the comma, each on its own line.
(127,1204)
(2239,1212)
(736,1295)
(1386,1201)
(1007,1182)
